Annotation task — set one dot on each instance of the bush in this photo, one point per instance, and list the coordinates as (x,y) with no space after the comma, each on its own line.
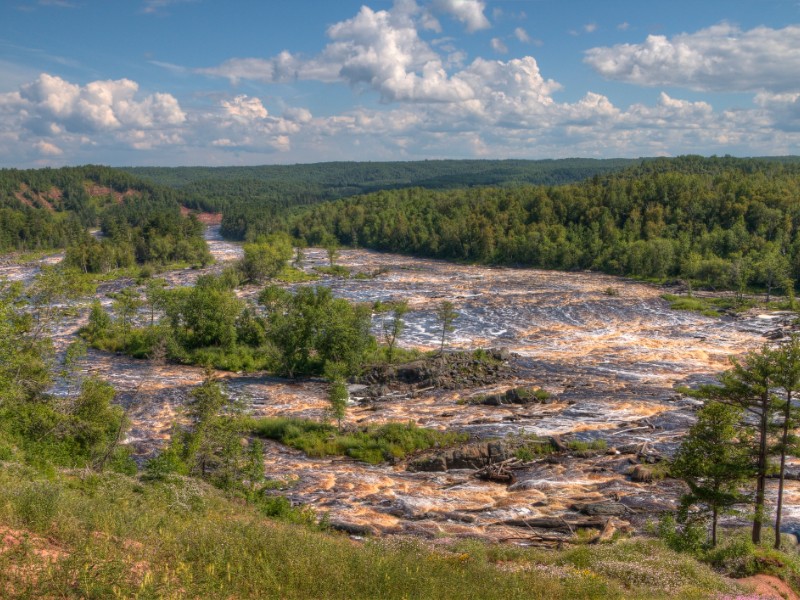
(373,445)
(36,504)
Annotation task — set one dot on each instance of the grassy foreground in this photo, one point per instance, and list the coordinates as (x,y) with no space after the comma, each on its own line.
(83,535)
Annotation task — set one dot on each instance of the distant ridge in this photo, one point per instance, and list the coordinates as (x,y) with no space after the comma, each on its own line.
(216,188)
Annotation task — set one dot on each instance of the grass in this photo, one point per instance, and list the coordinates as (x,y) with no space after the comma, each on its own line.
(709,307)
(292,275)
(583,446)
(374,445)
(334,271)
(111,536)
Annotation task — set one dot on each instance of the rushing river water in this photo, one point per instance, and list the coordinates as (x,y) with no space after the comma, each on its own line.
(608,349)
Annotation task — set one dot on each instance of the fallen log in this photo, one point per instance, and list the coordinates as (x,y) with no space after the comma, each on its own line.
(557,523)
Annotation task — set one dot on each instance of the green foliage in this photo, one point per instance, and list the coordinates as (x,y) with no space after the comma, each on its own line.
(182,538)
(714,460)
(710,307)
(266,258)
(716,222)
(312,328)
(585,446)
(334,271)
(371,444)
(338,397)
(446,314)
(528,446)
(141,222)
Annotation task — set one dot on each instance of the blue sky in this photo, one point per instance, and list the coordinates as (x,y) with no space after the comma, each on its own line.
(207,82)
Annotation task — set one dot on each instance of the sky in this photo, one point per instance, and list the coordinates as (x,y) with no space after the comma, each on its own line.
(247,82)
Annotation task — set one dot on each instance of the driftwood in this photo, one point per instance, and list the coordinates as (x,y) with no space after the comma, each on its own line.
(558,523)
(499,472)
(543,541)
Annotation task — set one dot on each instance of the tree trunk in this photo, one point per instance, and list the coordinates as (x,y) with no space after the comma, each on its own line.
(787,413)
(714,527)
(761,474)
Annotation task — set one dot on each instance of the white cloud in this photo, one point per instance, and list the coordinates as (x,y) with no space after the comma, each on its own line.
(719,58)
(245,108)
(297,115)
(590,27)
(468,12)
(47,149)
(98,106)
(522,35)
(498,46)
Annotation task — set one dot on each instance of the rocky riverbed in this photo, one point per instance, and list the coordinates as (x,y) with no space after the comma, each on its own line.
(608,351)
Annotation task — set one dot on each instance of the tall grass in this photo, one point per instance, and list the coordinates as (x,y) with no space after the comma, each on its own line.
(110,536)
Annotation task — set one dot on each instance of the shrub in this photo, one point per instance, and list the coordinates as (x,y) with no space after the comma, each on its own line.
(370,444)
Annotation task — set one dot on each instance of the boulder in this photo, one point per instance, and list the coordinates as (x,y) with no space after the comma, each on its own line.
(601,509)
(429,463)
(471,456)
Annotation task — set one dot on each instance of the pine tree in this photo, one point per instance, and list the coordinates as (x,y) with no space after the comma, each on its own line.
(787,376)
(748,385)
(713,460)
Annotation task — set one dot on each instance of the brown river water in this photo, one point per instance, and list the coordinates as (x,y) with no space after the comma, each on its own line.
(609,350)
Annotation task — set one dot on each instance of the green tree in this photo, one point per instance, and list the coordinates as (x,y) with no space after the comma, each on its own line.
(713,460)
(393,327)
(126,305)
(772,269)
(213,445)
(748,385)
(338,396)
(446,315)
(787,376)
(331,245)
(266,258)
(99,321)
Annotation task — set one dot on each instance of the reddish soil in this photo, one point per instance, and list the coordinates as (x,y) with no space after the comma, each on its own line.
(206,218)
(37,200)
(769,587)
(99,190)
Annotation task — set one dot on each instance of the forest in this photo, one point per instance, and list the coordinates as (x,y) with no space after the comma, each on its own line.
(720,222)
(54,208)
(280,186)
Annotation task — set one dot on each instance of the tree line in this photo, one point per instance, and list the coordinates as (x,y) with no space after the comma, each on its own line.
(720,222)
(140,221)
(228,189)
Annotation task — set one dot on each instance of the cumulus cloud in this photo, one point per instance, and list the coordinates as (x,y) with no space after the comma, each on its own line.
(469,12)
(379,50)
(721,58)
(245,108)
(98,106)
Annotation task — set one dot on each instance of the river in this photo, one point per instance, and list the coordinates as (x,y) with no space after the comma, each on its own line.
(609,350)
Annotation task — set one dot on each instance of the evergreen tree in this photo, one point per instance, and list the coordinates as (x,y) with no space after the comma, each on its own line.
(787,376)
(748,385)
(713,460)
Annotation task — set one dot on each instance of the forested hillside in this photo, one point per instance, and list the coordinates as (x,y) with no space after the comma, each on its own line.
(722,221)
(53,208)
(280,186)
